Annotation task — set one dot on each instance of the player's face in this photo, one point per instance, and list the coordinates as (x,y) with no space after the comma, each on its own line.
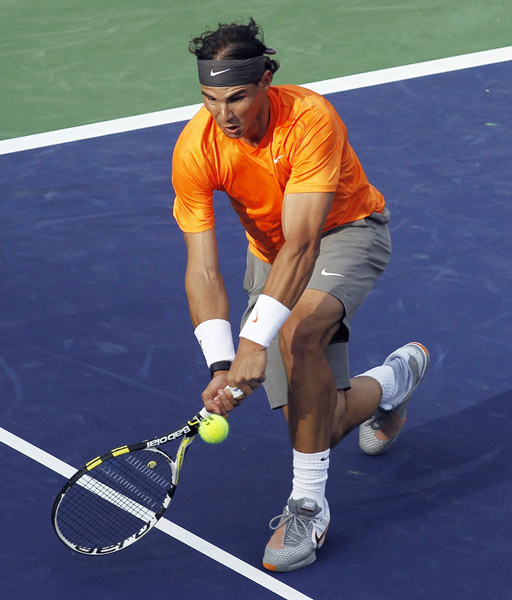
(241,112)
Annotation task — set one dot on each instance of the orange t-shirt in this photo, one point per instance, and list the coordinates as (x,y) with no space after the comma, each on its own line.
(305,149)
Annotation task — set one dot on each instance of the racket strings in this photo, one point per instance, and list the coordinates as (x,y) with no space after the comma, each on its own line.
(115,500)
(137,489)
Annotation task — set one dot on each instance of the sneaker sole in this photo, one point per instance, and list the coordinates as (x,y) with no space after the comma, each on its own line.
(426,365)
(371,445)
(282,569)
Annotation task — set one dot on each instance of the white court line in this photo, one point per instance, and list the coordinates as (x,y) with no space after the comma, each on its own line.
(171,529)
(393,74)
(329,86)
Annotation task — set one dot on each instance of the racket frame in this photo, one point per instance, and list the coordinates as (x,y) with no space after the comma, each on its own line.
(187,432)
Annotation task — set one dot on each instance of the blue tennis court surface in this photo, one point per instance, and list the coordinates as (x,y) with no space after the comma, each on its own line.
(97,350)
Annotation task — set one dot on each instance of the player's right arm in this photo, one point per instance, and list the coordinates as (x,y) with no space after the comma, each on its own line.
(207,299)
(206,293)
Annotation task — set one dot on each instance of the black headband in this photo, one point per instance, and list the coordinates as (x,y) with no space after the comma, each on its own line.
(226,73)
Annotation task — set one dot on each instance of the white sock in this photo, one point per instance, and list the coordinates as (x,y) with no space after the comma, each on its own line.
(310,476)
(395,379)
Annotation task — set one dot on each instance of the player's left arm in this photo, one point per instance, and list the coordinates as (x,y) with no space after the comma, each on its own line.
(316,165)
(303,218)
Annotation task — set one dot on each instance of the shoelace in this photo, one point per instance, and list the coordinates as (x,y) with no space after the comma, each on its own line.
(378,418)
(295,526)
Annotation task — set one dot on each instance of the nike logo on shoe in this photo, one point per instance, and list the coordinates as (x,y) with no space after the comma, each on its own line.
(319,539)
(215,73)
(327,274)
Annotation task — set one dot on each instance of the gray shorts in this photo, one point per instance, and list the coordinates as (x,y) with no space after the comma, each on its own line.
(360,252)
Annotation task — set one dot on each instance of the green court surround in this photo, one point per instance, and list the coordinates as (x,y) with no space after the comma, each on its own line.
(67,63)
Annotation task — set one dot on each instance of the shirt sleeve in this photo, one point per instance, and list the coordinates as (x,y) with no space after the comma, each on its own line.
(193,203)
(320,139)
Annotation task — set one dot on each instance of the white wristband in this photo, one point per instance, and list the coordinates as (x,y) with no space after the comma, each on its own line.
(265,320)
(216,340)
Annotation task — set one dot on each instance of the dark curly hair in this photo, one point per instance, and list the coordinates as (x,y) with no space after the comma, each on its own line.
(233,41)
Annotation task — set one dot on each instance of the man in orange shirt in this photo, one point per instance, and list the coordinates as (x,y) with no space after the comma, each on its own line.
(318,240)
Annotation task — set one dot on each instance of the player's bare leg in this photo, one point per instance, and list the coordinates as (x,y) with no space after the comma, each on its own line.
(312,395)
(354,407)
(312,399)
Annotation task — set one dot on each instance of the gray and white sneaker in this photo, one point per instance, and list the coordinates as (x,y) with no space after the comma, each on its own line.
(378,433)
(299,531)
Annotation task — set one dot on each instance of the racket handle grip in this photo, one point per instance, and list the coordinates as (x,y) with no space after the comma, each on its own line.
(203,413)
(236,393)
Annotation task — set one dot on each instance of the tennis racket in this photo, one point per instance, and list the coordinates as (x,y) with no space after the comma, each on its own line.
(116,498)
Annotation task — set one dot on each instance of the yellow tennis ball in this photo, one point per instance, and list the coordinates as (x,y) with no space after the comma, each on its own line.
(214,429)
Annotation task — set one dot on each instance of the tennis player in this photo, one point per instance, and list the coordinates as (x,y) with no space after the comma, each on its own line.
(318,240)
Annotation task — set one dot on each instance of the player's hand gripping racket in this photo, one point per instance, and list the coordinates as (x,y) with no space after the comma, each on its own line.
(118,497)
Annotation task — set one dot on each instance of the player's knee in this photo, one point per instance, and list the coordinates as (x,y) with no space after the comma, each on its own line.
(299,337)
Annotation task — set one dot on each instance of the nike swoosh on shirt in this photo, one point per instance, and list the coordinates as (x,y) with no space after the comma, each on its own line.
(215,73)
(276,159)
(326,273)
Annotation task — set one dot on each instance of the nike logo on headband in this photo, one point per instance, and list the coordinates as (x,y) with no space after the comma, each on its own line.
(215,73)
